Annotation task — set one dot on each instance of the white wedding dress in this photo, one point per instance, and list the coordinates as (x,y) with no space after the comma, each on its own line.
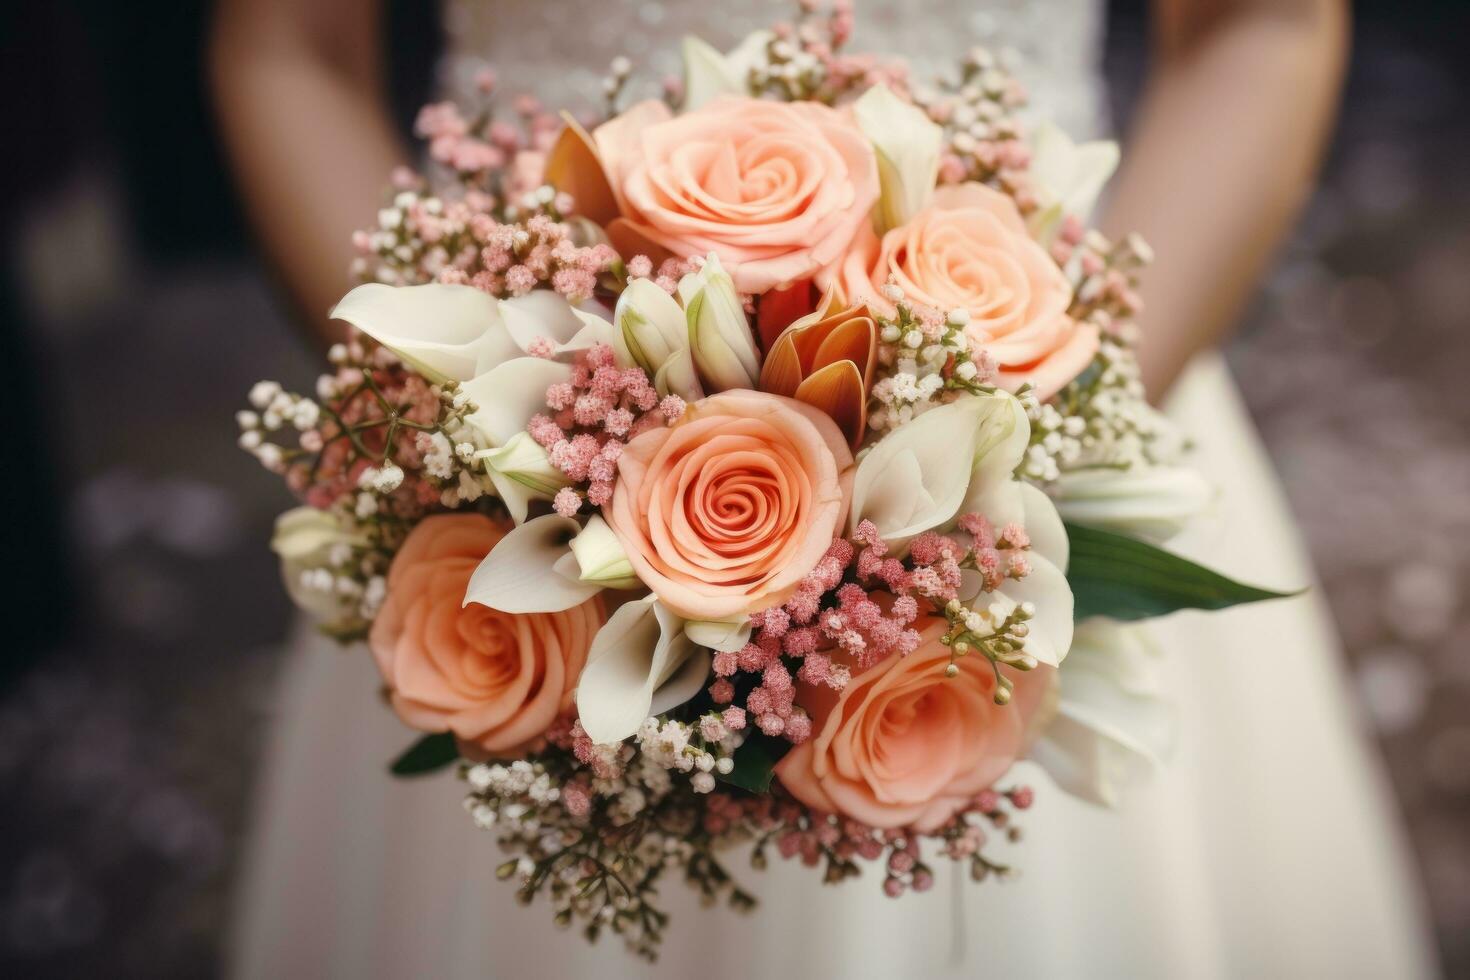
(1266,848)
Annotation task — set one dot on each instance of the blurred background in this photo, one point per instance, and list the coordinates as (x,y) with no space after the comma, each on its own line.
(145,612)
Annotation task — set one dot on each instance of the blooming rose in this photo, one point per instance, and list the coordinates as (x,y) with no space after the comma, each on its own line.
(778,190)
(970,250)
(496,680)
(904,746)
(724,512)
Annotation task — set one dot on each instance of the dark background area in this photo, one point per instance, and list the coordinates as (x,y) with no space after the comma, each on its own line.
(144,611)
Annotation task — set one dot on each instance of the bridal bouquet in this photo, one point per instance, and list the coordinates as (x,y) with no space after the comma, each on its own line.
(766,464)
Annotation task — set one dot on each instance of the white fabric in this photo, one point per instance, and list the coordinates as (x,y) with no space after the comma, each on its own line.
(1267,847)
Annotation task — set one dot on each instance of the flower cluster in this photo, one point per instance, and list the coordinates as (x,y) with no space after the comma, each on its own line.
(692,463)
(923,357)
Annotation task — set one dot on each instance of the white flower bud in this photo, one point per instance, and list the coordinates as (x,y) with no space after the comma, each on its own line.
(719,332)
(601,557)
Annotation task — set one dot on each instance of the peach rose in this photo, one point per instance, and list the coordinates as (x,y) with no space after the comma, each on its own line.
(904,746)
(778,190)
(496,680)
(970,250)
(724,512)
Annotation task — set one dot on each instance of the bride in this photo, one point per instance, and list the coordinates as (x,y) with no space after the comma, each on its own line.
(1264,847)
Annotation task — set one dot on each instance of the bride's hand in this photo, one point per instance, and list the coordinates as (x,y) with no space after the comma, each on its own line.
(1222,155)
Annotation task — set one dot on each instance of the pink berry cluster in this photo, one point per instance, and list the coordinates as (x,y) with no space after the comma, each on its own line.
(516,258)
(856,607)
(593,416)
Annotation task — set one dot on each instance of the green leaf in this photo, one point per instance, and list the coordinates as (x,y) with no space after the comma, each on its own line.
(755,763)
(428,754)
(1123,578)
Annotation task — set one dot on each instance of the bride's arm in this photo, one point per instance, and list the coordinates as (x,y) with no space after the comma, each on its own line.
(299,92)
(1238,106)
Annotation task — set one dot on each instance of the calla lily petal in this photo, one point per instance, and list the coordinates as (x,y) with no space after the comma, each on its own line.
(1151,502)
(837,389)
(507,396)
(528,571)
(1113,723)
(907,144)
(443,331)
(1046,587)
(1067,176)
(639,649)
(916,477)
(726,637)
(601,558)
(542,313)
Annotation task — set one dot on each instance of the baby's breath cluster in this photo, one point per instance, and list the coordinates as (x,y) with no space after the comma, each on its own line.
(923,357)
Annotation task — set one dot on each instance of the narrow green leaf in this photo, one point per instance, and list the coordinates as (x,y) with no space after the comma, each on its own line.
(428,754)
(755,764)
(1123,578)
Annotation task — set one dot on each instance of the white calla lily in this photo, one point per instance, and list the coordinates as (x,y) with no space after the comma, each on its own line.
(532,570)
(505,398)
(454,332)
(708,74)
(601,558)
(919,476)
(308,540)
(726,637)
(521,471)
(719,331)
(1113,723)
(641,663)
(1066,176)
(445,332)
(907,144)
(543,314)
(1149,502)
(651,331)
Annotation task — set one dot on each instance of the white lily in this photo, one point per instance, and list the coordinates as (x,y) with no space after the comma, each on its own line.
(1113,723)
(719,331)
(505,399)
(708,74)
(917,477)
(601,558)
(652,332)
(1067,177)
(1150,502)
(306,540)
(521,471)
(453,333)
(641,663)
(532,570)
(907,144)
(723,636)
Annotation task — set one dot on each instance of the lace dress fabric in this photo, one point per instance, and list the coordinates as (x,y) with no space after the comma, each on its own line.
(548,47)
(1265,849)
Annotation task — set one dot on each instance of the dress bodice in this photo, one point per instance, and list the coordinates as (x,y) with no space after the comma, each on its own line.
(560,49)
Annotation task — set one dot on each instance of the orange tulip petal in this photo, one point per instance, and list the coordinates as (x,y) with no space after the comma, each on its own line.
(781,373)
(574,168)
(837,389)
(781,307)
(850,340)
